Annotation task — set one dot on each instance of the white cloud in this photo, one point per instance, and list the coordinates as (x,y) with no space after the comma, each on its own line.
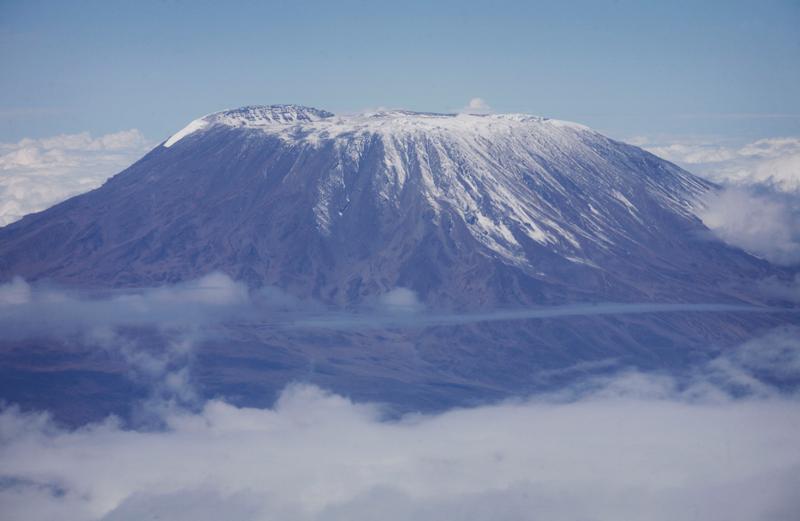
(176,315)
(211,298)
(764,223)
(693,153)
(15,293)
(758,208)
(773,162)
(629,449)
(776,354)
(400,300)
(476,106)
(37,173)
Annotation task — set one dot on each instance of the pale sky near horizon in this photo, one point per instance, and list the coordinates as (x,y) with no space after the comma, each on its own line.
(727,69)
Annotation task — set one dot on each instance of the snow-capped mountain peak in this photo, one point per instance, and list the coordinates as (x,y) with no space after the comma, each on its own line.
(513,178)
(283,120)
(343,206)
(253,116)
(265,115)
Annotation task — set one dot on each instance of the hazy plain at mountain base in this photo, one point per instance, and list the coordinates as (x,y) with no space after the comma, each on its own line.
(83,355)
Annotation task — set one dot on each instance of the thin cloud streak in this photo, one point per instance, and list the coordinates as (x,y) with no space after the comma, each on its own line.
(351,320)
(216,298)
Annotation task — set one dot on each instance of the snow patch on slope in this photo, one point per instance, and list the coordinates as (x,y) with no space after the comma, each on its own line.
(191,128)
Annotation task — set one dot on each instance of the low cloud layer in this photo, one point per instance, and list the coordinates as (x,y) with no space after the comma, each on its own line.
(215,297)
(38,173)
(758,208)
(630,447)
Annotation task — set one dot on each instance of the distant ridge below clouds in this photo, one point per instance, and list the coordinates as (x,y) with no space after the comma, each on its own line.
(38,173)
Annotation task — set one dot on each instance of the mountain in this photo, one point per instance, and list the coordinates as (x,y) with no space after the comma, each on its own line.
(466,210)
(470,212)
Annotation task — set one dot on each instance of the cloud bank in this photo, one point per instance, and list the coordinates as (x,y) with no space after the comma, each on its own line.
(630,448)
(758,208)
(773,162)
(760,221)
(38,173)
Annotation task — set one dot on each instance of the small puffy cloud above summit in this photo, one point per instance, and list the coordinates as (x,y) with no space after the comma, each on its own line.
(38,173)
(477,106)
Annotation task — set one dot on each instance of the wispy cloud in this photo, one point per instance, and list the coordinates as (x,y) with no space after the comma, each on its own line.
(25,308)
(37,173)
(215,298)
(152,331)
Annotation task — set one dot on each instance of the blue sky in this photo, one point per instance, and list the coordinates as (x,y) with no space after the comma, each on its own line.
(729,69)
